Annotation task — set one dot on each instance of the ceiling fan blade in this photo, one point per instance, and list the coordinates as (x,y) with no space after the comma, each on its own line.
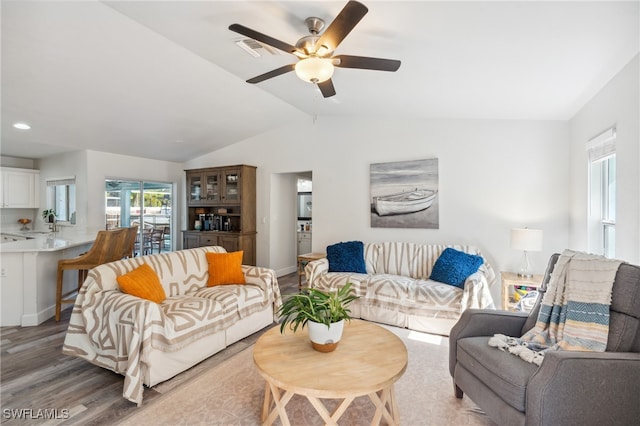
(363,62)
(346,20)
(263,38)
(327,89)
(271,74)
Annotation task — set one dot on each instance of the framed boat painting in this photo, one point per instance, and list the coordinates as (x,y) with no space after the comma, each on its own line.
(405,194)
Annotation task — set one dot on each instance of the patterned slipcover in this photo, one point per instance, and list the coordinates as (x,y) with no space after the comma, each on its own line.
(397,290)
(124,333)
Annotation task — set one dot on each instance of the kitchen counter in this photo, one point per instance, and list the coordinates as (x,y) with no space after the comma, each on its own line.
(47,241)
(29,273)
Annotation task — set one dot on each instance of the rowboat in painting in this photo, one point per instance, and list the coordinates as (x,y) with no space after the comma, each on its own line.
(404,202)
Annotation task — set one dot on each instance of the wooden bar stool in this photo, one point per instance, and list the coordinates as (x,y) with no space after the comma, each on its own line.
(109,246)
(130,243)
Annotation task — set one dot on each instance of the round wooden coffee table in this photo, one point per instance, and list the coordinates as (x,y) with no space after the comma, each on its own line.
(368,361)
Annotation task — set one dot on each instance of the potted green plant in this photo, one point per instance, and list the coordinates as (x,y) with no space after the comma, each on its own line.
(49,215)
(324,312)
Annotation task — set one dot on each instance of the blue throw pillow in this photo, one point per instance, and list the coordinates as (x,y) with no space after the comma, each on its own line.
(346,257)
(454,267)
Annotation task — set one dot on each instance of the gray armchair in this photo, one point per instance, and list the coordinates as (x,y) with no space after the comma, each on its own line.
(569,388)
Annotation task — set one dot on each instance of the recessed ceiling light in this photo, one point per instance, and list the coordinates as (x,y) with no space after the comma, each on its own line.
(21,126)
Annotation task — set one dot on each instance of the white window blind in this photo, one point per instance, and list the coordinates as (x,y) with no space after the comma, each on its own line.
(61,181)
(602,146)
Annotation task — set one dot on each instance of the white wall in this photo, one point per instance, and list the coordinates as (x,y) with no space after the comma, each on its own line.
(91,168)
(617,104)
(104,165)
(20,163)
(494,175)
(283,219)
(67,165)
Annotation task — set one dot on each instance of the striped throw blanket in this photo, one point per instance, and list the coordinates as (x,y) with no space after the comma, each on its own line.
(574,313)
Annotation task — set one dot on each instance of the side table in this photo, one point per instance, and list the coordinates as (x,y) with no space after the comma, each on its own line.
(303,259)
(511,279)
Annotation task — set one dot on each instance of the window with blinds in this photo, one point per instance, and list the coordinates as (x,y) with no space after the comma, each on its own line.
(61,197)
(602,193)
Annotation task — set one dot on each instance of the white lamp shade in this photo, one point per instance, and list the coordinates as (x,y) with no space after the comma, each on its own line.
(314,70)
(526,239)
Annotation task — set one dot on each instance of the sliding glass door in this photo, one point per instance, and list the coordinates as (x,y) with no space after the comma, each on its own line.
(146,204)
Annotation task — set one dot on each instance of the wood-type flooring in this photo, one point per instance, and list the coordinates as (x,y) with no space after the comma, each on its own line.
(35,376)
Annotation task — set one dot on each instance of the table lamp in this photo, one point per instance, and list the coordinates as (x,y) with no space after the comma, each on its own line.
(526,239)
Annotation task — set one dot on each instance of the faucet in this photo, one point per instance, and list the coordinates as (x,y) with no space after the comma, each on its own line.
(53,227)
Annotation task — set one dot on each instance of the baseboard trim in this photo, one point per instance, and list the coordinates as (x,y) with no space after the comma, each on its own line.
(38,318)
(286,271)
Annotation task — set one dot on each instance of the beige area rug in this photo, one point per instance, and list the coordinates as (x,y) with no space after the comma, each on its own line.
(232,394)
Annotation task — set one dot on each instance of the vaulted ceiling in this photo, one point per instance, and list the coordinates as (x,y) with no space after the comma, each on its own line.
(166,79)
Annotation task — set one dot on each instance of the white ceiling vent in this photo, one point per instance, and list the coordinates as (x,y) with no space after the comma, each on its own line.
(254,48)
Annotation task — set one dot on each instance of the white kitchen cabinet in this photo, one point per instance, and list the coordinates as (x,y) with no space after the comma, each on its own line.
(20,188)
(304,242)
(28,278)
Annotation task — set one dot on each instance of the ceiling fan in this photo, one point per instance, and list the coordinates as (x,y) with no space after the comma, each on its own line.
(315,52)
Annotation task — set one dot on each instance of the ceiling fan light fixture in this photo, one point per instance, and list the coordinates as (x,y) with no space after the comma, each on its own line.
(323,51)
(314,69)
(314,52)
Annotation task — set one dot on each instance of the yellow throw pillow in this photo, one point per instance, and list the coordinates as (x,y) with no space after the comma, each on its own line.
(225,268)
(143,282)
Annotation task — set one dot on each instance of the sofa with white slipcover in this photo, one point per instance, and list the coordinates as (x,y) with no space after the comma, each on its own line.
(150,342)
(394,285)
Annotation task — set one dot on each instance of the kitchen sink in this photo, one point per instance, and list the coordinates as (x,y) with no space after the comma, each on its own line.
(22,235)
(9,238)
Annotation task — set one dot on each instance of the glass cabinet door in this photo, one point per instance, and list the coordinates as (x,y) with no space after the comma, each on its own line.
(232,185)
(195,187)
(213,186)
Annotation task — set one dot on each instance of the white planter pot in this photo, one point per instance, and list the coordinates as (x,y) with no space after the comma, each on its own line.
(323,338)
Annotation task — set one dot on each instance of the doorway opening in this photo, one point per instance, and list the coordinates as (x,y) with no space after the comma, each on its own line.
(304,212)
(145,204)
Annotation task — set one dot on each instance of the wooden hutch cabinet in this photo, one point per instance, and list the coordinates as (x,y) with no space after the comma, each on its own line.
(221,205)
